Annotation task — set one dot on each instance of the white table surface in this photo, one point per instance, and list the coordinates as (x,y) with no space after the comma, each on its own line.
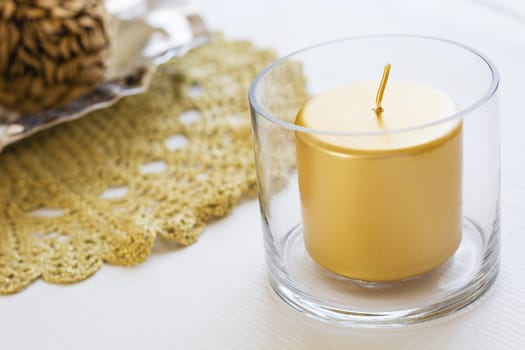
(214,294)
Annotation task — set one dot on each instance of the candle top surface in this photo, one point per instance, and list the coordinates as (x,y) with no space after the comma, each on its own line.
(351,109)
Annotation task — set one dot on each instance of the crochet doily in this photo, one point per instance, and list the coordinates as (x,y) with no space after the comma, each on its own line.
(159,164)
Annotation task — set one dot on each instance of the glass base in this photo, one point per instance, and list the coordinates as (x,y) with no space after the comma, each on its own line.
(318,293)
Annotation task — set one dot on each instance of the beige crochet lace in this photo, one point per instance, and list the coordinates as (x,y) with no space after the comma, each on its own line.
(162,163)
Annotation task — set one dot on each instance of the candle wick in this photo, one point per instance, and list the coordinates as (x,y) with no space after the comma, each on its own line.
(381,91)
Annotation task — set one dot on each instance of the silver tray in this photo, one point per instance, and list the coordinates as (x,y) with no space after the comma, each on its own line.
(146,33)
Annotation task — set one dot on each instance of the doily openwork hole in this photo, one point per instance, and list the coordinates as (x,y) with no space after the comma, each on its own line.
(194,91)
(176,142)
(47,212)
(190,116)
(156,167)
(114,192)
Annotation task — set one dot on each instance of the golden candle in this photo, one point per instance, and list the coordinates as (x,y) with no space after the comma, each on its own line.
(384,207)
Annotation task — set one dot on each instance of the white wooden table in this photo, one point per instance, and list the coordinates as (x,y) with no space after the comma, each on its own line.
(214,294)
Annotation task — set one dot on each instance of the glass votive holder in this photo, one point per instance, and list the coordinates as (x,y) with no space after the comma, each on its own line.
(377,237)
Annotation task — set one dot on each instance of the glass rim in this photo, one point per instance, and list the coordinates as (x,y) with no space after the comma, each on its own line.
(259,109)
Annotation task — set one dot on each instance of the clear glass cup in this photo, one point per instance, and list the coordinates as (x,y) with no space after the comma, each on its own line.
(295,272)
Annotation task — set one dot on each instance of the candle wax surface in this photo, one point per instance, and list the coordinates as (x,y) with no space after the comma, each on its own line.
(382,207)
(351,109)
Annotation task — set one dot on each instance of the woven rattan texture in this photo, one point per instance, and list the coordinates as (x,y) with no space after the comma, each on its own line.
(160,164)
